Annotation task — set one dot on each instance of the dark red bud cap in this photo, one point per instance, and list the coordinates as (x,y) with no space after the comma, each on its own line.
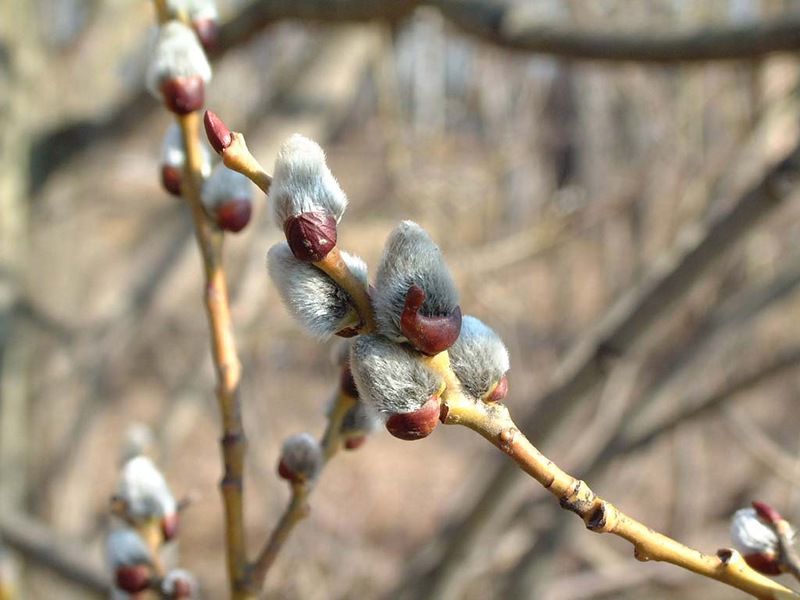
(169,526)
(764,562)
(184,94)
(207,31)
(429,335)
(766,512)
(171,178)
(347,384)
(233,215)
(286,473)
(133,579)
(218,134)
(417,424)
(353,443)
(499,392)
(347,332)
(310,235)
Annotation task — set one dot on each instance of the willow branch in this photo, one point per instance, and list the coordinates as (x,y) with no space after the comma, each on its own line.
(226,360)
(494,423)
(296,511)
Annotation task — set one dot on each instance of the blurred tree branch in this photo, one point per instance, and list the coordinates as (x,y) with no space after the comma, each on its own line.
(499,23)
(41,546)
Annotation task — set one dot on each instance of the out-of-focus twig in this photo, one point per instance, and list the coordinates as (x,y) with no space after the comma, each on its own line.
(41,546)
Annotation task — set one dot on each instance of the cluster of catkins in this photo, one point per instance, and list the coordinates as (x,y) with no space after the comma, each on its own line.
(753,532)
(177,75)
(415,302)
(143,532)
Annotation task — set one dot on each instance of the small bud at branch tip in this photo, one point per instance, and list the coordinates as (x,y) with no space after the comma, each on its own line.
(219,136)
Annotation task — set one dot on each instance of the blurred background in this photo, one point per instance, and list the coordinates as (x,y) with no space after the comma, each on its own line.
(606,197)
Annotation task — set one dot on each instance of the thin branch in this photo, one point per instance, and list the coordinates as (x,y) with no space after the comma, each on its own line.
(622,327)
(494,423)
(41,546)
(506,25)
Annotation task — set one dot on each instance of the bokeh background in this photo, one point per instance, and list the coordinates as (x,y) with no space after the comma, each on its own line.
(563,191)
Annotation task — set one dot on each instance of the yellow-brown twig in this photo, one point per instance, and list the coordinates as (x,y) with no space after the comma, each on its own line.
(332,439)
(226,360)
(296,511)
(334,266)
(494,423)
(237,157)
(789,556)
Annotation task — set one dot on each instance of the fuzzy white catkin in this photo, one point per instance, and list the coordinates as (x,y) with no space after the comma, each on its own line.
(224,184)
(302,182)
(175,576)
(362,419)
(302,455)
(194,9)
(126,548)
(478,357)
(173,153)
(313,298)
(177,54)
(750,534)
(391,377)
(144,490)
(411,257)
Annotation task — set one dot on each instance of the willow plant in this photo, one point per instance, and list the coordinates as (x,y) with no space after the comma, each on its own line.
(414,361)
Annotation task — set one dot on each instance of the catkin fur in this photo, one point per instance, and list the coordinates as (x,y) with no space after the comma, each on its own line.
(391,377)
(177,54)
(750,534)
(125,548)
(411,257)
(173,153)
(302,455)
(225,184)
(302,182)
(313,298)
(362,419)
(144,490)
(478,358)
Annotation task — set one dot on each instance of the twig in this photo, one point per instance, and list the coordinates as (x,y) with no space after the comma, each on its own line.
(41,546)
(623,326)
(295,512)
(494,423)
(226,360)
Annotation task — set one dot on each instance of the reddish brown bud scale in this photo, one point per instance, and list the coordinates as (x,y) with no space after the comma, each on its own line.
(171,178)
(219,136)
(764,562)
(184,94)
(207,31)
(499,392)
(233,215)
(417,424)
(347,332)
(429,335)
(311,235)
(353,443)
(170,526)
(767,513)
(133,579)
(286,473)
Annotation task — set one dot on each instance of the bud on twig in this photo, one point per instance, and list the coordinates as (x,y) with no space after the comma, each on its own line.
(173,160)
(227,196)
(415,298)
(358,423)
(179,583)
(146,495)
(301,458)
(306,198)
(129,560)
(480,361)
(756,540)
(313,298)
(178,70)
(394,381)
